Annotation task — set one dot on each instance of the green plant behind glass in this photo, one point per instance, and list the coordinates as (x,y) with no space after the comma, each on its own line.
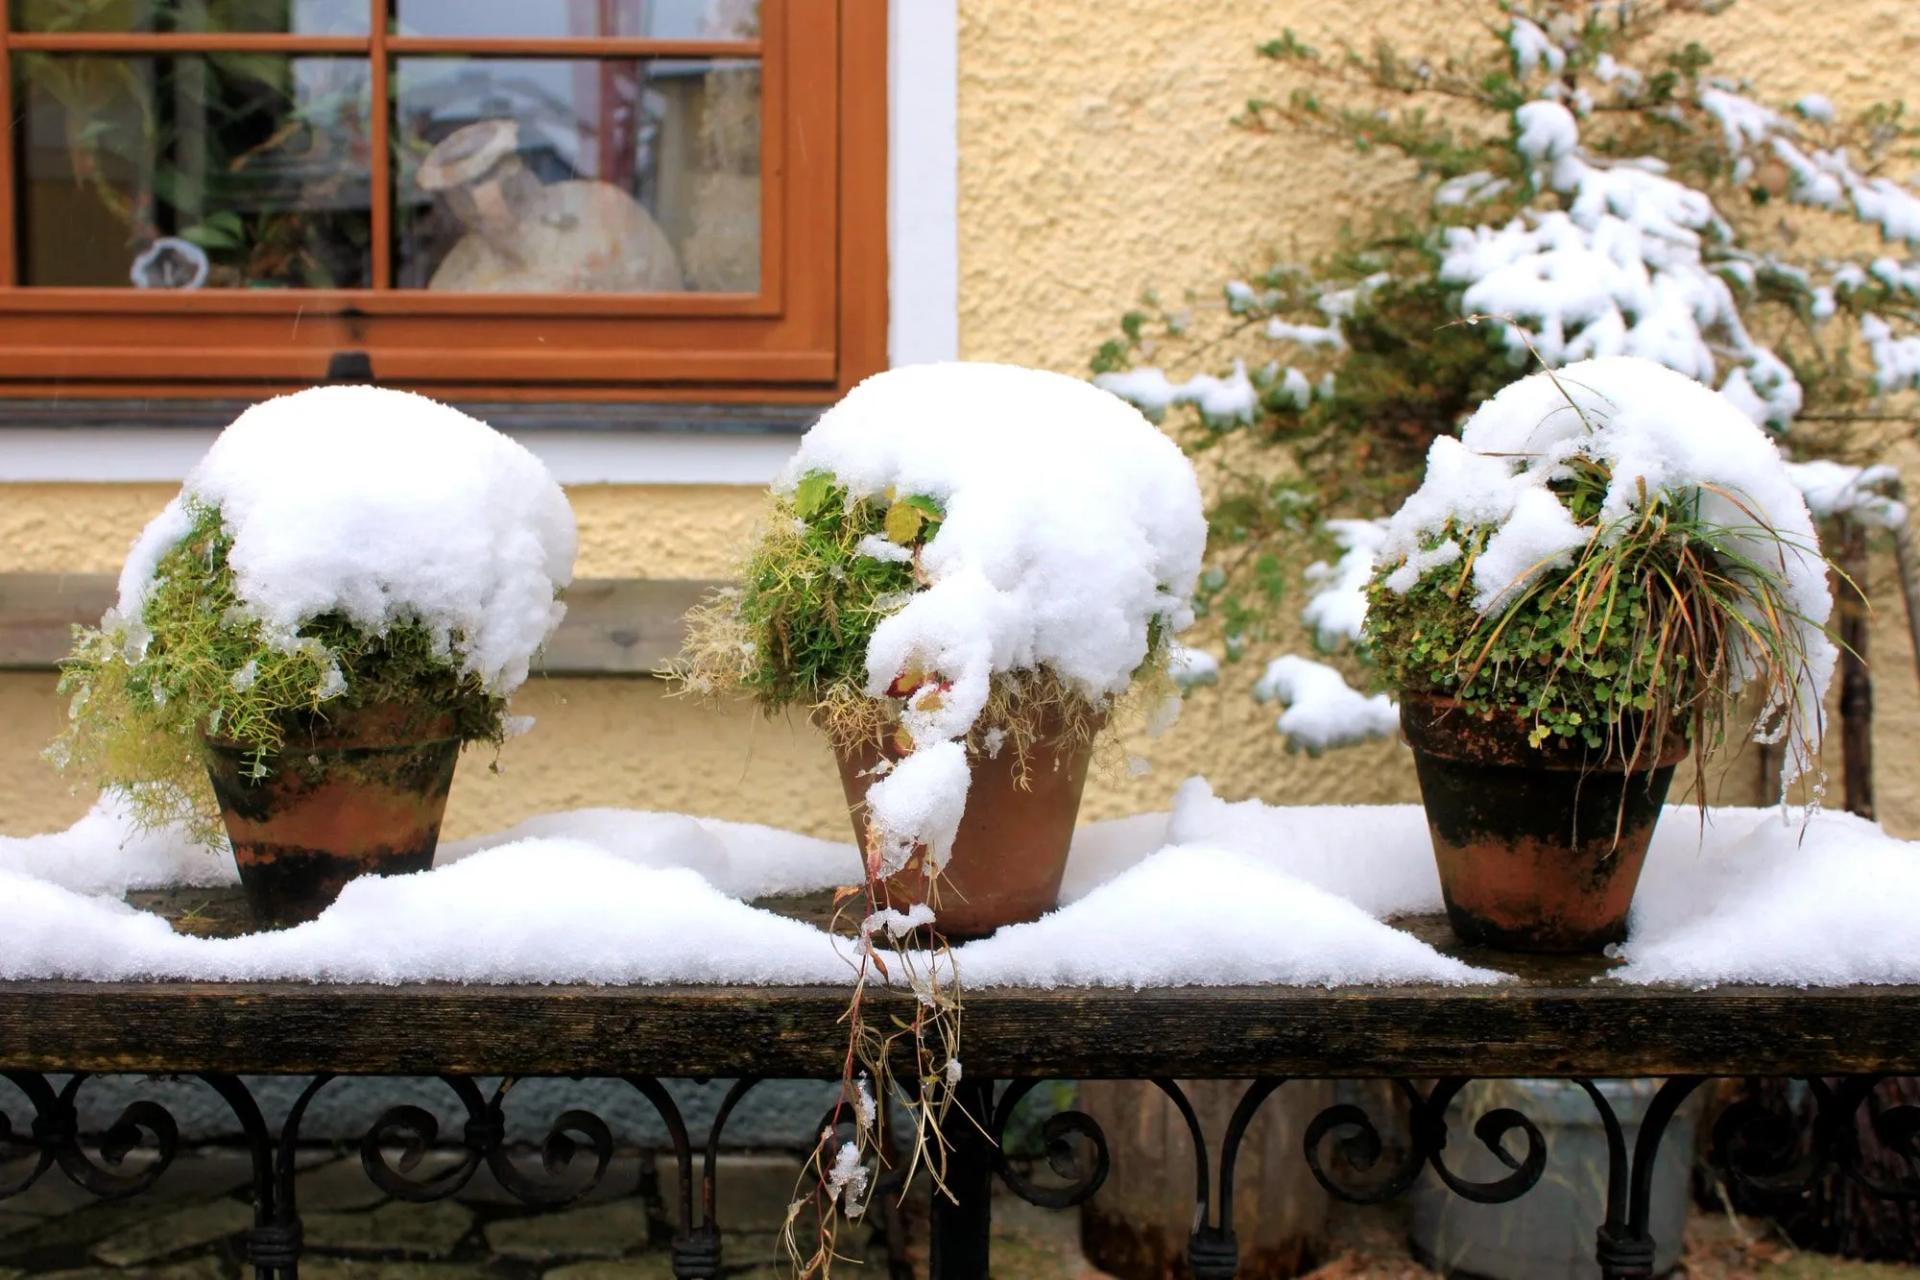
(191,145)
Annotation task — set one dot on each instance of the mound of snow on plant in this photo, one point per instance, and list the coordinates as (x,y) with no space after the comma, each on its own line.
(1660,433)
(1072,528)
(386,507)
(1336,612)
(1862,494)
(1623,269)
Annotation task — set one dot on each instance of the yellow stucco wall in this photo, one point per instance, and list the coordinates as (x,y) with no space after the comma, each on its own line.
(1095,160)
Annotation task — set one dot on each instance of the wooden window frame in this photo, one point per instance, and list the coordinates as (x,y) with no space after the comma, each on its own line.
(817,325)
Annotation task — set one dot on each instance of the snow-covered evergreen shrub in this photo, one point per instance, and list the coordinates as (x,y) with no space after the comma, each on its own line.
(1593,187)
(1615,552)
(339,548)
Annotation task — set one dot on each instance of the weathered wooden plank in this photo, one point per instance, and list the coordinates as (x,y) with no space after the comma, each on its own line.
(614,626)
(1521,1029)
(38,612)
(621,626)
(1560,1016)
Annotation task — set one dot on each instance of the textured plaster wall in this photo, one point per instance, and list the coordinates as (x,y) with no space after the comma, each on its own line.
(643,531)
(1095,160)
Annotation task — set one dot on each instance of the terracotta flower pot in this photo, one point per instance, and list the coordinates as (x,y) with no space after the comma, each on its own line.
(1011,850)
(360,793)
(1539,848)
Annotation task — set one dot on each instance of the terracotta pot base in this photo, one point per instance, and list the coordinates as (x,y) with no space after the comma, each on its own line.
(361,794)
(1011,851)
(1539,849)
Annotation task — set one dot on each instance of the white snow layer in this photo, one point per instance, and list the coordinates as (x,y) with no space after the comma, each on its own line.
(1336,612)
(1222,400)
(1072,526)
(1768,898)
(105,852)
(1863,494)
(1322,710)
(1659,432)
(385,506)
(1622,270)
(1212,893)
(612,896)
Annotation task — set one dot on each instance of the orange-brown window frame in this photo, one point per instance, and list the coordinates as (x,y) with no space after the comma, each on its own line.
(817,325)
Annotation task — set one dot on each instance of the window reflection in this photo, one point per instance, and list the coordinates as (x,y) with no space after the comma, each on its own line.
(609,175)
(651,19)
(217,170)
(299,17)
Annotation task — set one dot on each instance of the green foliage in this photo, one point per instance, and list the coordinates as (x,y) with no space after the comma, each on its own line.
(1410,366)
(1650,630)
(146,693)
(797,632)
(794,634)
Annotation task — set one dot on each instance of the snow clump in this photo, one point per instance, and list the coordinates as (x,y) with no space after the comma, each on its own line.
(1862,494)
(1337,610)
(1322,709)
(1072,536)
(1659,433)
(383,506)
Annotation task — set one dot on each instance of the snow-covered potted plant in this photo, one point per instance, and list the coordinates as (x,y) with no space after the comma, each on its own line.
(966,569)
(347,589)
(965,566)
(1579,594)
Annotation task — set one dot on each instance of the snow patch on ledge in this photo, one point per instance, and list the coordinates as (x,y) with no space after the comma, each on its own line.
(1212,893)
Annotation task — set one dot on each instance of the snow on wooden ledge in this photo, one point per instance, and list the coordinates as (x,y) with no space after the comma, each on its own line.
(1213,893)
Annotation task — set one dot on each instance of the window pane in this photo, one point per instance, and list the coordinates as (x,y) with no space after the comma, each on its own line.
(650,19)
(218,170)
(611,175)
(302,17)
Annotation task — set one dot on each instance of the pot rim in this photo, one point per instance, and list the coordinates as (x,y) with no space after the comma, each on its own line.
(383,724)
(1443,726)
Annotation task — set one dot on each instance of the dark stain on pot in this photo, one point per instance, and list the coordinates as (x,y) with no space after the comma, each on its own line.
(1538,848)
(363,793)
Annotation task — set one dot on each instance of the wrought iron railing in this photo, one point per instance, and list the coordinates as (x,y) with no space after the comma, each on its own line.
(1348,1150)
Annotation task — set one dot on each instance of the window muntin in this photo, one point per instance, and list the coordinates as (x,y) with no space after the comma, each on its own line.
(307,17)
(650,19)
(815,320)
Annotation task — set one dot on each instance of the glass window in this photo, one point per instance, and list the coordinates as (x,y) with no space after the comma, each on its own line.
(294,17)
(580,195)
(214,170)
(578,176)
(652,19)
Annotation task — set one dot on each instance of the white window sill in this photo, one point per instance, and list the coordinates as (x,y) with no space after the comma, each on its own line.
(124,442)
